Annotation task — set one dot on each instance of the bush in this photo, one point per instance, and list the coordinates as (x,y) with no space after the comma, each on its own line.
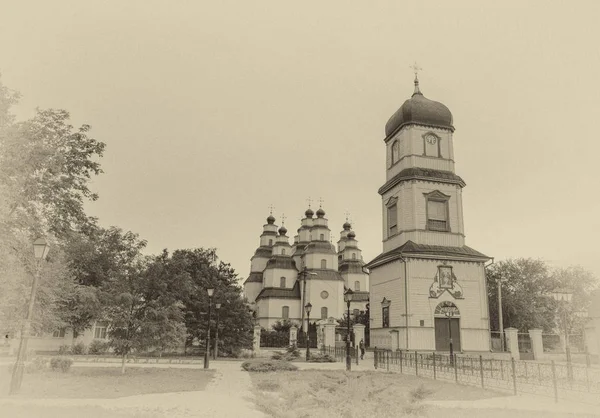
(261,366)
(246,354)
(64,349)
(37,365)
(79,348)
(61,363)
(321,358)
(98,347)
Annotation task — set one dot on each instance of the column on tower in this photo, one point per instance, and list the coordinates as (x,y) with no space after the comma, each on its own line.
(254,283)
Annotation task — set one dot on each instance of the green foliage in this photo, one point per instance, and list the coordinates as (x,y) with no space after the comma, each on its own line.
(292,353)
(321,358)
(526,292)
(262,366)
(64,349)
(79,348)
(61,363)
(98,347)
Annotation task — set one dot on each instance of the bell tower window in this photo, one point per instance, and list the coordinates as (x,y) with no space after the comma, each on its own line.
(437,211)
(323,264)
(395,152)
(392,216)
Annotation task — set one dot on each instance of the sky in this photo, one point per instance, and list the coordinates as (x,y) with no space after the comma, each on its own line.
(214,110)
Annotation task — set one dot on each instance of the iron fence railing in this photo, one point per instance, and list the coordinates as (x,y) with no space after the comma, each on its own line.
(339,353)
(549,379)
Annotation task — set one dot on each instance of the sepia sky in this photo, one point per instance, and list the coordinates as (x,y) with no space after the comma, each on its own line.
(213,110)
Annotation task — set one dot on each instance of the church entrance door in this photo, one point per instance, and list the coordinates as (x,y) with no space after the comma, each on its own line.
(442,334)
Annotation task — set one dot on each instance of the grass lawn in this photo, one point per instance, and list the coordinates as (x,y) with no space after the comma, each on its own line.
(37,411)
(320,393)
(105,382)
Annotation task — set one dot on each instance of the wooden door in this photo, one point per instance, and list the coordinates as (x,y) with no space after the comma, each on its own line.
(442,334)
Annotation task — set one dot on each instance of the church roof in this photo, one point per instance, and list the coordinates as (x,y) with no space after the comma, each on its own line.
(281,262)
(419,110)
(322,275)
(254,277)
(411,249)
(359,296)
(264,252)
(351,266)
(280,293)
(418,173)
(320,247)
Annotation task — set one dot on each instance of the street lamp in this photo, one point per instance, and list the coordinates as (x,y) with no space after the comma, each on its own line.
(563,297)
(40,251)
(210,292)
(500,318)
(348,298)
(215,354)
(308,307)
(449,314)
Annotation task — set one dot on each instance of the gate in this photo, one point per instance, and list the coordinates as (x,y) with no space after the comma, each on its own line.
(312,331)
(525,349)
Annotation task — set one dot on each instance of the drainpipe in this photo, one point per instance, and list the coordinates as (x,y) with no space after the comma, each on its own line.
(488,305)
(405,297)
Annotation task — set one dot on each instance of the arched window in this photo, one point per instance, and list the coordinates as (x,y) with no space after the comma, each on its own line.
(270,242)
(437,211)
(357,286)
(322,237)
(285,312)
(354,256)
(446,309)
(282,282)
(395,152)
(324,312)
(283,251)
(323,264)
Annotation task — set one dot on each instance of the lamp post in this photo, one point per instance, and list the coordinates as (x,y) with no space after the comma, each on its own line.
(40,251)
(564,297)
(308,307)
(215,354)
(210,292)
(348,298)
(500,318)
(449,314)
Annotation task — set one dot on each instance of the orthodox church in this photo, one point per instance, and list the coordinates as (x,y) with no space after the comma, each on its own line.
(286,277)
(427,287)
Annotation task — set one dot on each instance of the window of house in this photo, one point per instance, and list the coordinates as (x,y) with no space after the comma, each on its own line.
(395,152)
(282,282)
(392,218)
(354,256)
(324,312)
(437,215)
(59,333)
(322,237)
(357,286)
(385,317)
(100,330)
(285,312)
(323,264)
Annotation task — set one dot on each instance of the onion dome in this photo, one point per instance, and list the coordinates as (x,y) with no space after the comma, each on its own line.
(347,226)
(282,230)
(309,213)
(270,219)
(420,111)
(351,235)
(320,213)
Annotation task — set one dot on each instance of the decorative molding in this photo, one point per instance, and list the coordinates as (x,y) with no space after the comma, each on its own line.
(427,136)
(444,307)
(391,201)
(445,281)
(385,303)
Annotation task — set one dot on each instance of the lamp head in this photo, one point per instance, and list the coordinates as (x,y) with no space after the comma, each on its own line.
(348,295)
(308,307)
(210,292)
(218,306)
(40,248)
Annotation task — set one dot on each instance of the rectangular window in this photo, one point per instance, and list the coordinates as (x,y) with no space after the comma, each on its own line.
(392,220)
(437,219)
(285,312)
(323,312)
(100,331)
(385,311)
(357,286)
(60,333)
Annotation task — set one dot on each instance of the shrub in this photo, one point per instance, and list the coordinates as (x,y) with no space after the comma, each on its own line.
(79,348)
(246,354)
(321,358)
(61,363)
(262,365)
(38,364)
(98,347)
(64,349)
(415,401)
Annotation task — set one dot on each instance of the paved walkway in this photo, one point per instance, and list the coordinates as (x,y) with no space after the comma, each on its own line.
(226,396)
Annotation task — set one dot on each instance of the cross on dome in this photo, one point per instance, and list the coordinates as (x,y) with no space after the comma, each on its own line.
(309,201)
(271,207)
(416,69)
(282,219)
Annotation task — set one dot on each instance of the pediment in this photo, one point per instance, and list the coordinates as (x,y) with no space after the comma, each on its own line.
(391,201)
(436,194)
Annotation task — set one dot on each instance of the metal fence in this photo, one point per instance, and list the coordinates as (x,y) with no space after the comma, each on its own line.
(339,353)
(548,379)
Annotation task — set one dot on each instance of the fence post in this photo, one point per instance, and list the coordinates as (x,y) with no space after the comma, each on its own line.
(400,361)
(554,383)
(514,374)
(455,369)
(375,357)
(387,354)
(356,351)
(481,369)
(416,365)
(434,376)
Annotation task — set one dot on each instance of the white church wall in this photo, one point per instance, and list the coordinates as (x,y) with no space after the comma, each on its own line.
(251,291)
(334,301)
(270,311)
(258,263)
(272,277)
(313,261)
(387,281)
